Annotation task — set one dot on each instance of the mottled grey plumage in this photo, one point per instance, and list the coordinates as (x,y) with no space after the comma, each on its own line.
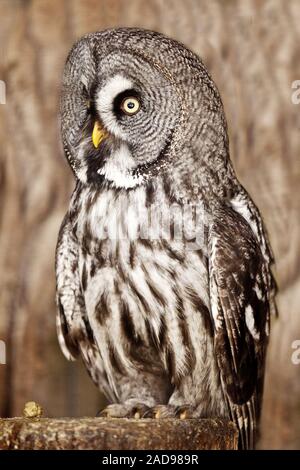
(164,329)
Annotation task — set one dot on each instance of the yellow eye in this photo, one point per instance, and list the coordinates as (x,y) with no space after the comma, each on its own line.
(130,105)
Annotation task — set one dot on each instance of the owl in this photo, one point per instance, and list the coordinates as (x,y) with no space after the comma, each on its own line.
(163,266)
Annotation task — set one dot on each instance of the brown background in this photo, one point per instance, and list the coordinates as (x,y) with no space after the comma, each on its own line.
(252,49)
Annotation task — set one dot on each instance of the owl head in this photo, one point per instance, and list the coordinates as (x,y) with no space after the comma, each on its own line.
(135,105)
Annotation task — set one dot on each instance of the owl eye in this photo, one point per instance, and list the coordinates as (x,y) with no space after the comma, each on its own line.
(130,105)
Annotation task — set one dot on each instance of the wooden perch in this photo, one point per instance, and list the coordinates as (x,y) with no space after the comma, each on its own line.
(117,434)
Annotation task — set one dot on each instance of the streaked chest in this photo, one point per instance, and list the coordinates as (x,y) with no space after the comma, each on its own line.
(140,244)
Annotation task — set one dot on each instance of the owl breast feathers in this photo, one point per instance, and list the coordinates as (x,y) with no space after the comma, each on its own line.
(163,267)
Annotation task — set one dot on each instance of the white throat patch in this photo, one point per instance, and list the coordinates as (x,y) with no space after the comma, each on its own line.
(117,169)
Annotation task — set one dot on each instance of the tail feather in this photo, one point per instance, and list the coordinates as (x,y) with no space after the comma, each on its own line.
(244,416)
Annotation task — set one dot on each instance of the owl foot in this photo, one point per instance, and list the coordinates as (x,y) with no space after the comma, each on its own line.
(123,410)
(160,412)
(185,412)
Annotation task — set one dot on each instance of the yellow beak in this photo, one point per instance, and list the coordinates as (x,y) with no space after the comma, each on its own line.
(98,134)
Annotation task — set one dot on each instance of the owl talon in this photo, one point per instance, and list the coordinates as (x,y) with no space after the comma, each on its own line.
(115,410)
(185,412)
(138,411)
(119,410)
(160,412)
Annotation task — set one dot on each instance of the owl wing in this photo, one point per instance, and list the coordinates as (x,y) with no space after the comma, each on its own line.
(74,332)
(239,291)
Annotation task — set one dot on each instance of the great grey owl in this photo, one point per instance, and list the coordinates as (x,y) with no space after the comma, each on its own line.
(169,322)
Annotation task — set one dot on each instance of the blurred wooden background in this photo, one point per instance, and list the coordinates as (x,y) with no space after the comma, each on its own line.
(252,49)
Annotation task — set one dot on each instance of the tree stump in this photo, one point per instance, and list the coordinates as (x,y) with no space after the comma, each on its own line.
(117,434)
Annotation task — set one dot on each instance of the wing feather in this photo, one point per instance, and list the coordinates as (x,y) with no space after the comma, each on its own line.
(240,284)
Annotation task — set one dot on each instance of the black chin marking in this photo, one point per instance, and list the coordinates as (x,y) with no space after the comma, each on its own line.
(96,159)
